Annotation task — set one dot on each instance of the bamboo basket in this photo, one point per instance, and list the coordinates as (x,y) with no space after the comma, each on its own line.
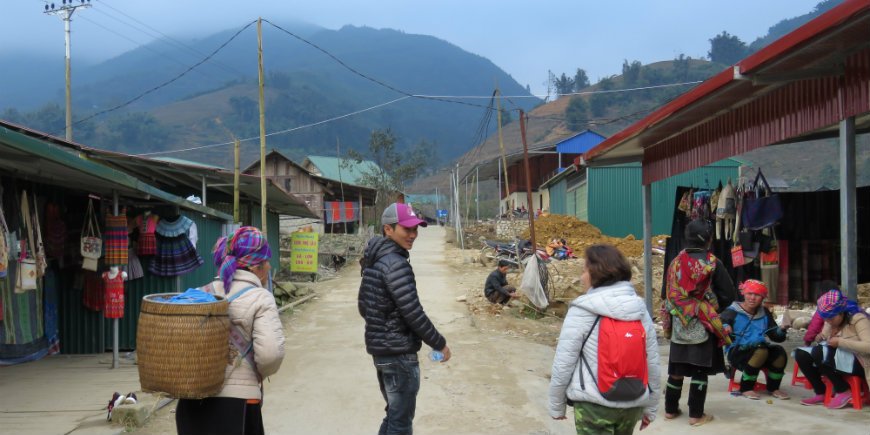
(182,349)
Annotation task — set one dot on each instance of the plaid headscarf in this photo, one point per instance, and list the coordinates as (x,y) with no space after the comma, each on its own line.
(245,248)
(833,303)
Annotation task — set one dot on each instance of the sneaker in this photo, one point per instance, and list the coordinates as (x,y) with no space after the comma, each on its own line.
(818,399)
(840,400)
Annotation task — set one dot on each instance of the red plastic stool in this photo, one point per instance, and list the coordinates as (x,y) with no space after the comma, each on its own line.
(858,385)
(798,379)
(734,385)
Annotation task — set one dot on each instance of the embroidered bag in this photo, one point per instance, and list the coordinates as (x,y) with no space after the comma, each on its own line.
(26,276)
(41,263)
(92,245)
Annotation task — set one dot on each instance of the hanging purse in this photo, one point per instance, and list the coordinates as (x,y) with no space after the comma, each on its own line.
(92,244)
(26,273)
(764,209)
(39,253)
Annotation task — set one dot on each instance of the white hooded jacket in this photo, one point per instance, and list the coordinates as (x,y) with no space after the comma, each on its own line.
(618,301)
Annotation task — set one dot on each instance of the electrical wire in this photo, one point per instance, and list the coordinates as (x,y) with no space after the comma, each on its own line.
(168,82)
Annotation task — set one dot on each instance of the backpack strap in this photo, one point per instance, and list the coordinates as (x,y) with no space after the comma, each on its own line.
(582,359)
(245,347)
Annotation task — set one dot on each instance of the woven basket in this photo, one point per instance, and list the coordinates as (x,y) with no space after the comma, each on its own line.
(182,349)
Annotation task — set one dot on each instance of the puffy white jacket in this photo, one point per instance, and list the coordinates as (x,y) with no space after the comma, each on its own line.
(256,315)
(618,301)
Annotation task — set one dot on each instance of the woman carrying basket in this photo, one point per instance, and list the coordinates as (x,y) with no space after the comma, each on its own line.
(256,341)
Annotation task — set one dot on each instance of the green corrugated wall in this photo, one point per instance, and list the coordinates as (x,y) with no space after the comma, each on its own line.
(581,199)
(615,196)
(557,197)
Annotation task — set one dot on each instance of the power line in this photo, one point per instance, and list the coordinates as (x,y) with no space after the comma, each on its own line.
(609,91)
(170,81)
(274,133)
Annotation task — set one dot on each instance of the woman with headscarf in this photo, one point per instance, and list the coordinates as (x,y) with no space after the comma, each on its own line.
(256,340)
(698,289)
(752,324)
(844,349)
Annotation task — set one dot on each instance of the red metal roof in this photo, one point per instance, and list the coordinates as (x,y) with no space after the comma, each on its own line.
(714,120)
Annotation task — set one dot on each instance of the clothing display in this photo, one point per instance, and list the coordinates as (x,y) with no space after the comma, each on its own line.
(147,224)
(175,254)
(116,240)
(134,266)
(113,302)
(55,231)
(92,290)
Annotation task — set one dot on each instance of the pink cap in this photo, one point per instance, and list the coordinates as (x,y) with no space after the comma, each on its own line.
(402,214)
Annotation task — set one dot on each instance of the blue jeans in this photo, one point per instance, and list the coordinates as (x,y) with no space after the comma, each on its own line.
(399,379)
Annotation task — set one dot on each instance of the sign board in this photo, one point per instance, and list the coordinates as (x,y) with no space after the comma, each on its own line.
(303,252)
(441,212)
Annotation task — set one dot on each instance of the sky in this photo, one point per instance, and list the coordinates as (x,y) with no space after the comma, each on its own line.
(524,38)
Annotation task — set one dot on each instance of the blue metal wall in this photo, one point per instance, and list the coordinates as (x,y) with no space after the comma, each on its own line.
(580,143)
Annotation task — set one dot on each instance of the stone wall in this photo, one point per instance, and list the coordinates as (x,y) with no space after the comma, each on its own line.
(508,229)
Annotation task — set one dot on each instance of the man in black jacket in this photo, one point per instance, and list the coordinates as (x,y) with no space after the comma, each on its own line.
(496,288)
(396,325)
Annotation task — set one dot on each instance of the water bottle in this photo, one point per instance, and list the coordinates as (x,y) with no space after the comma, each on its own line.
(436,356)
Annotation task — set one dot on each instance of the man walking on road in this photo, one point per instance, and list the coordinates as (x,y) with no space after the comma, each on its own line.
(396,325)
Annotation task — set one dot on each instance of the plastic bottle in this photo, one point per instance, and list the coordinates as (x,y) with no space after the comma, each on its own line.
(436,356)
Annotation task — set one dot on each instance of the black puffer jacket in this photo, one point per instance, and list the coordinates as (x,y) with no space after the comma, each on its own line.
(395,321)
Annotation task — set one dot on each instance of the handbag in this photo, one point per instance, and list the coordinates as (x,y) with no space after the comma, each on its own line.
(39,253)
(92,244)
(764,209)
(26,274)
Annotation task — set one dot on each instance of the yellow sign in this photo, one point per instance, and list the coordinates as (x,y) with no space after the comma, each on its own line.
(303,252)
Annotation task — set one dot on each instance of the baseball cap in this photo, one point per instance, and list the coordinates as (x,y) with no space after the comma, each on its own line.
(402,214)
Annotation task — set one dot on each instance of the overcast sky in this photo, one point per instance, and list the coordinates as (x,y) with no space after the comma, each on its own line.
(524,38)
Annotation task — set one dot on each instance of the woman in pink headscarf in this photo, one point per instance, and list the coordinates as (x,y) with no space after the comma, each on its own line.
(844,349)
(256,340)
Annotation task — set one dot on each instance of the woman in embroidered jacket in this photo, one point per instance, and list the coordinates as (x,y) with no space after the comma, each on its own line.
(844,349)
(698,289)
(244,268)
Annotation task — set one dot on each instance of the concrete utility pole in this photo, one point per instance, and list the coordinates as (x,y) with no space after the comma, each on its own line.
(65,11)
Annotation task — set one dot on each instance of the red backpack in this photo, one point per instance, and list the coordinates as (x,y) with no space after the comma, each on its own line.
(623,375)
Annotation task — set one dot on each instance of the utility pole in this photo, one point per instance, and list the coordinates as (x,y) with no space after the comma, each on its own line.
(263,216)
(503,157)
(236,151)
(65,11)
(528,182)
(477,194)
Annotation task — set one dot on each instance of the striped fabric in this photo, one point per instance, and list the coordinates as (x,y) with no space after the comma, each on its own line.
(22,318)
(147,227)
(175,256)
(115,242)
(245,248)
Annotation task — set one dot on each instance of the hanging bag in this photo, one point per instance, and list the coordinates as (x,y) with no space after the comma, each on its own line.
(39,252)
(26,274)
(92,245)
(764,209)
(4,240)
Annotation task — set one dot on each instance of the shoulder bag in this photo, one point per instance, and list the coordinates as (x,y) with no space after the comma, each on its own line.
(763,209)
(26,274)
(92,244)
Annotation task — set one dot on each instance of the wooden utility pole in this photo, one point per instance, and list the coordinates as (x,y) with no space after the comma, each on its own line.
(264,226)
(236,170)
(528,181)
(501,146)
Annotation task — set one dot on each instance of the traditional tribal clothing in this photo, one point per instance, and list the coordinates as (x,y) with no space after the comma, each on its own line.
(690,296)
(245,248)
(116,240)
(175,254)
(114,298)
(833,303)
(147,228)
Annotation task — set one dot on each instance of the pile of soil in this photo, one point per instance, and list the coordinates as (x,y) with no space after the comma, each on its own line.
(580,235)
(475,234)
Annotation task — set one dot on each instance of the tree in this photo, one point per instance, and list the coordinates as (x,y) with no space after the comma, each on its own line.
(681,67)
(727,49)
(631,72)
(135,131)
(575,114)
(564,85)
(581,80)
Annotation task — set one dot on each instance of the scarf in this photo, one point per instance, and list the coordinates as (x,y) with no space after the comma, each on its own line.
(833,303)
(245,248)
(690,296)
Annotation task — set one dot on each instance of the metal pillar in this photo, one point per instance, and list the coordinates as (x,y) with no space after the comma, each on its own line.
(848,214)
(647,246)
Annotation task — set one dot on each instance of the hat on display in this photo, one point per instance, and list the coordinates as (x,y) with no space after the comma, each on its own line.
(402,214)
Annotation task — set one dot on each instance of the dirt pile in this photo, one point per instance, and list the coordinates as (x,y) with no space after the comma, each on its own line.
(474,234)
(581,235)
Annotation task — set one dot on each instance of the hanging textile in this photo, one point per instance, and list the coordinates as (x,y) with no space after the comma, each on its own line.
(50,301)
(55,231)
(175,254)
(4,244)
(22,334)
(337,211)
(147,224)
(92,290)
(116,240)
(113,303)
(134,266)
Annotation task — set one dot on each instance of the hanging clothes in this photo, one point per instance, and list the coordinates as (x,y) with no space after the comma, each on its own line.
(134,266)
(92,291)
(175,254)
(51,300)
(55,232)
(147,225)
(113,302)
(116,240)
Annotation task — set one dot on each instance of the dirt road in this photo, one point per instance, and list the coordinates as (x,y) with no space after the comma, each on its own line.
(495,383)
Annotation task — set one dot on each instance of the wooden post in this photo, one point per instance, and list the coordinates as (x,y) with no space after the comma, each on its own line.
(264,226)
(528,181)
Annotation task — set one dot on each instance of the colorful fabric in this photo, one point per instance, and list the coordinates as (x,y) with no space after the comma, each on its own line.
(754,286)
(113,302)
(167,228)
(55,231)
(115,240)
(833,303)
(147,228)
(175,256)
(51,303)
(23,315)
(337,211)
(690,295)
(245,248)
(92,291)
(134,266)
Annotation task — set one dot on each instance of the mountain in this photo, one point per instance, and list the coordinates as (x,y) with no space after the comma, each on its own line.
(303,86)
